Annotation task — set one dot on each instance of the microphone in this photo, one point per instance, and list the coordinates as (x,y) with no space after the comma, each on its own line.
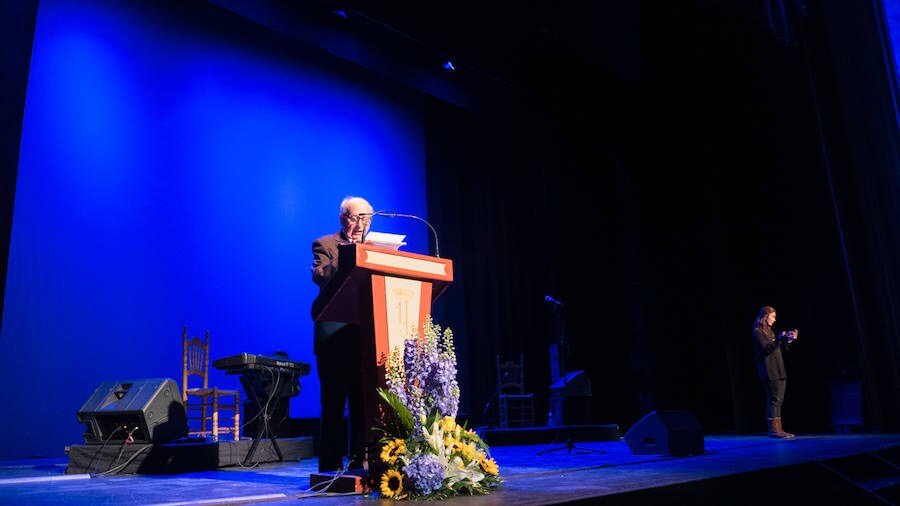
(553,301)
(392,214)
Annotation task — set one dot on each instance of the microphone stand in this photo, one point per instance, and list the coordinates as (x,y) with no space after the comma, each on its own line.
(570,445)
(561,353)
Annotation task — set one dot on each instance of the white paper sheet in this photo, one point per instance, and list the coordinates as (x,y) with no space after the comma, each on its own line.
(385,240)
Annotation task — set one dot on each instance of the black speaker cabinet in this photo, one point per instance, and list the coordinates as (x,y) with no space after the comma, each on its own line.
(149,410)
(674,432)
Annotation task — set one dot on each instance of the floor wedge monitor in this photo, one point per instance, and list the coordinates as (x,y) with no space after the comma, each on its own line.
(139,411)
(675,432)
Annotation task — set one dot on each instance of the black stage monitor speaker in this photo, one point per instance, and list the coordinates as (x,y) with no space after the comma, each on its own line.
(674,432)
(145,410)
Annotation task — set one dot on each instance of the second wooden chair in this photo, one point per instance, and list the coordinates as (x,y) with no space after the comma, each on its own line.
(515,406)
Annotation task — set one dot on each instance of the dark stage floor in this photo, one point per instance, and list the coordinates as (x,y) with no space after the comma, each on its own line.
(822,469)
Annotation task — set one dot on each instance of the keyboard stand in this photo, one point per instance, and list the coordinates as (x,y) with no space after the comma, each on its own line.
(262,424)
(281,383)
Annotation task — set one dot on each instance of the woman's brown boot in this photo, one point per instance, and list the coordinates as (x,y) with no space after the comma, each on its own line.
(775,428)
(781,428)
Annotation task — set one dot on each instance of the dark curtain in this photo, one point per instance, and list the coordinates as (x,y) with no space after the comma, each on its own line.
(740,164)
(17,28)
(855,73)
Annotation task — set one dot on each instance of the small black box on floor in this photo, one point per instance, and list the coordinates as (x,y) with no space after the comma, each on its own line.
(350,482)
(675,432)
(139,410)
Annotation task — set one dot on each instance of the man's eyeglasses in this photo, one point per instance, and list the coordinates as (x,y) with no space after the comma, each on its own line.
(356,218)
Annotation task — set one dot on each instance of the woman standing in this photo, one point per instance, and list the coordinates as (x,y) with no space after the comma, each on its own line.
(770,366)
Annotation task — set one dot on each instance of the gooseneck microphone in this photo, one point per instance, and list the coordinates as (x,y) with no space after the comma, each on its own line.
(392,214)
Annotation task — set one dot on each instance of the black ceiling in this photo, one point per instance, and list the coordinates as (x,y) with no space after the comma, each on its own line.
(564,53)
(521,43)
(549,50)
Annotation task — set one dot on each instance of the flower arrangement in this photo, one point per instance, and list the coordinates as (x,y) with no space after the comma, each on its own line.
(425,453)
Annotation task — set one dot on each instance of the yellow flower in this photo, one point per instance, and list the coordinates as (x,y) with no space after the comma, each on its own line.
(466,451)
(448,423)
(489,465)
(391,483)
(392,449)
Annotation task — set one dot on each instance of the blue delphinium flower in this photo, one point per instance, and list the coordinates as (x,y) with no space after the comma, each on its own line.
(414,393)
(425,473)
(446,389)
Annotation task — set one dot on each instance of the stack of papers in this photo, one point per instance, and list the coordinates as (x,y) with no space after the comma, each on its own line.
(385,240)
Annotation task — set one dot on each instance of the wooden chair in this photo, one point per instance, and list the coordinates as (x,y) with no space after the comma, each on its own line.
(203,403)
(515,406)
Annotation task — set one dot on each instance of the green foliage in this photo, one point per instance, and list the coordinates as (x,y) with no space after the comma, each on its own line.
(401,424)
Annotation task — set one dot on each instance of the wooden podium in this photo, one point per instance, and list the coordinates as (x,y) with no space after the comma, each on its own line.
(389,294)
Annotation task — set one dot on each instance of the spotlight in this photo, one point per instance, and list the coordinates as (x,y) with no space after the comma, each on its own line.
(448,66)
(340,13)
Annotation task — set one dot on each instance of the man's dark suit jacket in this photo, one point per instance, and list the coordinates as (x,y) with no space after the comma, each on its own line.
(325,266)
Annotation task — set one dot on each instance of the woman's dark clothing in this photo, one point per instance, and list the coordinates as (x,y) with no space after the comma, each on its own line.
(767,349)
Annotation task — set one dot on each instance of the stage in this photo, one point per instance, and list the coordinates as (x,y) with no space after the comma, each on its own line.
(854,469)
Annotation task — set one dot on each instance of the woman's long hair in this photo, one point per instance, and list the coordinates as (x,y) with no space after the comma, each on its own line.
(761,319)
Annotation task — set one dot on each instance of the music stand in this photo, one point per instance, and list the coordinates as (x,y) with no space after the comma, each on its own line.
(563,378)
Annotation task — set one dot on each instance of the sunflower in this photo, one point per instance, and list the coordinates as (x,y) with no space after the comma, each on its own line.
(391,483)
(392,449)
(489,465)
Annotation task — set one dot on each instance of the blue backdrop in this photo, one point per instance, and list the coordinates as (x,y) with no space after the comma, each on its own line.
(892,20)
(175,172)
